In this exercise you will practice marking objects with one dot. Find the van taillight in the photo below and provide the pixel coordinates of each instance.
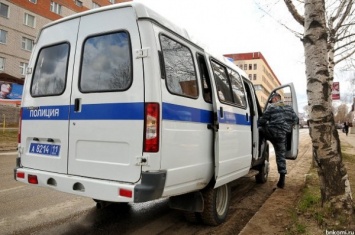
(32, 179)
(20, 175)
(19, 128)
(151, 122)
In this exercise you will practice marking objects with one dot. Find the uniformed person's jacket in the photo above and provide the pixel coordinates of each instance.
(278, 116)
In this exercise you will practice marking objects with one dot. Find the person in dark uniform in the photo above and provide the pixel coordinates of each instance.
(276, 122)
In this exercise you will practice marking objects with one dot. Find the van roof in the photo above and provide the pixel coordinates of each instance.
(142, 12)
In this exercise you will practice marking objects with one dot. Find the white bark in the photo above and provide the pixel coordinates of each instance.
(334, 183)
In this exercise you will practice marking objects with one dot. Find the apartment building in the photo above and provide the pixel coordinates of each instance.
(20, 22)
(259, 73)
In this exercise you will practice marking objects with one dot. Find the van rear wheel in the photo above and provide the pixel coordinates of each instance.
(216, 204)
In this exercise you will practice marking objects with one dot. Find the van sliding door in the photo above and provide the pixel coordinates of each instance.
(232, 125)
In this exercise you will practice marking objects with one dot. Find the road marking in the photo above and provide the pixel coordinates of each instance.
(8, 153)
(10, 189)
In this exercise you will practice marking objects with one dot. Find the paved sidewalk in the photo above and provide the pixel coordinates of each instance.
(269, 218)
(350, 139)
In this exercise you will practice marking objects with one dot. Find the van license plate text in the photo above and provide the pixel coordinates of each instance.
(45, 149)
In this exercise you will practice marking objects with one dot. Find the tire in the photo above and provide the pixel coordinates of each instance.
(192, 217)
(216, 204)
(261, 178)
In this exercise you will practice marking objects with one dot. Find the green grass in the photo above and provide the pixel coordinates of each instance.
(8, 136)
(308, 214)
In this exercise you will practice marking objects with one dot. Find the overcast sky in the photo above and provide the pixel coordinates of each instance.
(239, 26)
(230, 26)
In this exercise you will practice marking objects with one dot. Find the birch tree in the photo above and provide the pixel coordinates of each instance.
(319, 60)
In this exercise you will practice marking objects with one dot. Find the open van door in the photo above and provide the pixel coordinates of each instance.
(288, 94)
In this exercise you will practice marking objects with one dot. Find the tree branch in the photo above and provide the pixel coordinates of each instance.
(345, 14)
(292, 9)
(345, 57)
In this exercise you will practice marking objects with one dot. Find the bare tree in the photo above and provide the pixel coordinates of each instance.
(318, 37)
(341, 113)
(340, 23)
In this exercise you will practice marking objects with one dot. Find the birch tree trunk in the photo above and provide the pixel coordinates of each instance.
(334, 183)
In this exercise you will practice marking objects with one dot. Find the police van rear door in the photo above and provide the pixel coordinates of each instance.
(289, 97)
(107, 101)
(46, 95)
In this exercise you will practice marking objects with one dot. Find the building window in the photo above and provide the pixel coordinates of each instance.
(112, 1)
(95, 5)
(2, 64)
(23, 68)
(4, 10)
(56, 8)
(79, 3)
(250, 67)
(245, 67)
(258, 87)
(255, 66)
(249, 75)
(33, 1)
(254, 76)
(29, 20)
(3, 36)
(27, 44)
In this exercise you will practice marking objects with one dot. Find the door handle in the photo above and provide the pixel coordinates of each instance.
(77, 105)
(221, 112)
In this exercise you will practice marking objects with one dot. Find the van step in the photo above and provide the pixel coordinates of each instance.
(252, 173)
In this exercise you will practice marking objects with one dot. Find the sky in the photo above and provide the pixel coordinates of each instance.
(239, 26)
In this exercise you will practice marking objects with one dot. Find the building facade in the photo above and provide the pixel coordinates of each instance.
(259, 73)
(20, 22)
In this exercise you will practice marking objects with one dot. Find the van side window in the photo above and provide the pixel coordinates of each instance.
(49, 77)
(106, 64)
(179, 68)
(222, 83)
(205, 79)
(237, 88)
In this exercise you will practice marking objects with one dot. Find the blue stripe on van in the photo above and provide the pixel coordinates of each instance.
(127, 111)
(59, 112)
(234, 118)
(185, 114)
(115, 111)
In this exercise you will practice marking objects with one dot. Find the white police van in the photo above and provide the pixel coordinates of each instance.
(121, 106)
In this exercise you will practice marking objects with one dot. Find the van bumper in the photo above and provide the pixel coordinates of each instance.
(150, 187)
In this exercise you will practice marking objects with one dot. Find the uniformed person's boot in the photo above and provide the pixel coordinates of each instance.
(281, 183)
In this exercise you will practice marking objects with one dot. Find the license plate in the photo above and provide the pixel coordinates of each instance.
(45, 149)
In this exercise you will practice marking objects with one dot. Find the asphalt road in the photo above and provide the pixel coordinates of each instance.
(34, 210)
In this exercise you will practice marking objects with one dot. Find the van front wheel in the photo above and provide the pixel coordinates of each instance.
(216, 204)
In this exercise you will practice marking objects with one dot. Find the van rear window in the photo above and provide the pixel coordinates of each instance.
(49, 77)
(106, 64)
